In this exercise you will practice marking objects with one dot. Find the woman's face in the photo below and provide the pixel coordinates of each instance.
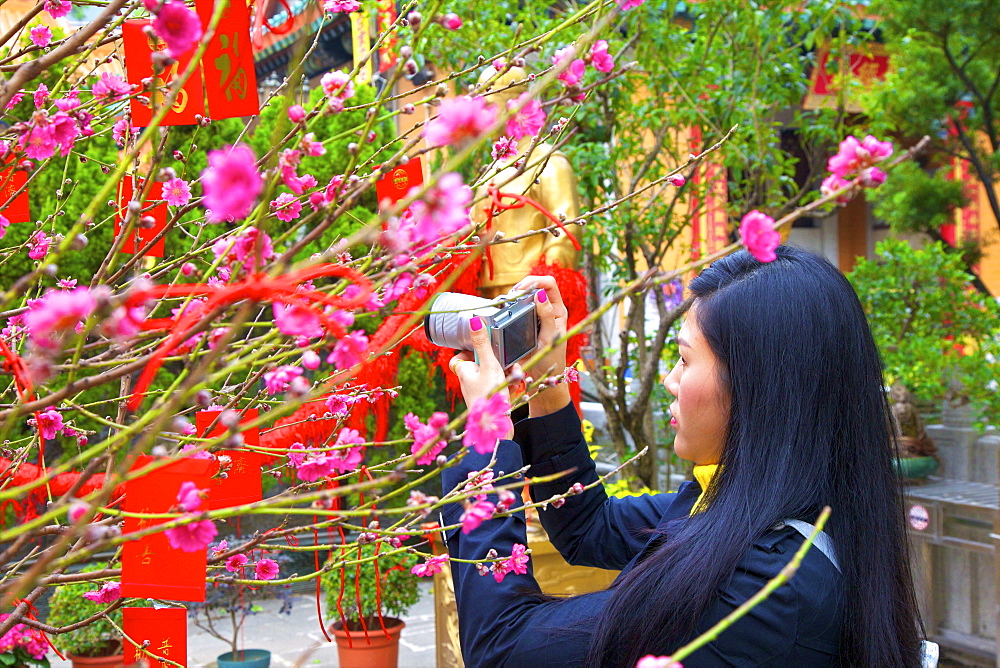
(700, 411)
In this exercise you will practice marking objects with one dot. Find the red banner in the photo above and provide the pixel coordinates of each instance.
(127, 190)
(384, 19)
(242, 483)
(393, 186)
(151, 567)
(139, 65)
(230, 78)
(866, 68)
(11, 180)
(163, 631)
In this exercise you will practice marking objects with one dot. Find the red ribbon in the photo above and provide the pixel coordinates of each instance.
(258, 288)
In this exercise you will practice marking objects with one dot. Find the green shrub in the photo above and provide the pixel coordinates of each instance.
(68, 606)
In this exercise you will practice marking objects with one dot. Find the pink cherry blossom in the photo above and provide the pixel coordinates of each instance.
(629, 4)
(278, 380)
(833, 183)
(231, 183)
(431, 566)
(110, 87)
(41, 95)
(266, 569)
(854, 156)
(4, 223)
(872, 177)
(573, 74)
(58, 311)
(758, 235)
(349, 351)
(460, 120)
(451, 21)
(600, 58)
(650, 661)
(337, 85)
(311, 360)
(877, 150)
(487, 423)
(40, 36)
(505, 148)
(677, 180)
(475, 514)
(123, 130)
(220, 548)
(77, 509)
(426, 435)
(297, 320)
(236, 563)
(124, 322)
(443, 210)
(528, 120)
(15, 99)
(108, 593)
(341, 6)
(296, 113)
(50, 423)
(176, 192)
(338, 404)
(313, 467)
(347, 459)
(481, 482)
(191, 537)
(189, 497)
(286, 207)
(571, 374)
(312, 147)
(58, 8)
(178, 26)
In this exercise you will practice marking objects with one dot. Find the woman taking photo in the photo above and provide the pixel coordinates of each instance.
(779, 403)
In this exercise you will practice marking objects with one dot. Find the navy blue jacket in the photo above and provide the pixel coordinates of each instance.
(499, 625)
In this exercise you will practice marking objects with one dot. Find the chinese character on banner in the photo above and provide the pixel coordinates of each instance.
(151, 567)
(14, 209)
(383, 21)
(128, 188)
(866, 68)
(361, 44)
(393, 186)
(230, 78)
(242, 483)
(139, 65)
(163, 631)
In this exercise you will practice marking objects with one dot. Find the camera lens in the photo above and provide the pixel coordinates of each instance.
(447, 323)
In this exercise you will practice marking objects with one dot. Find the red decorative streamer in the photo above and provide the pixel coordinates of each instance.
(257, 288)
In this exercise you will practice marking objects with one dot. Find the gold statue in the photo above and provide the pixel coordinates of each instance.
(913, 438)
(549, 180)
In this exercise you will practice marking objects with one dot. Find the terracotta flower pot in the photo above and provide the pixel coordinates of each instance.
(116, 661)
(375, 652)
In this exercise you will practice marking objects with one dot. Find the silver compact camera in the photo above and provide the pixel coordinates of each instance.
(511, 323)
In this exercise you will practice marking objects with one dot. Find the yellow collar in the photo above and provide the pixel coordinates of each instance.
(703, 474)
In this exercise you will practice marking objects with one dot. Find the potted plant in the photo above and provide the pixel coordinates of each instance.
(392, 593)
(228, 604)
(938, 338)
(96, 645)
(22, 647)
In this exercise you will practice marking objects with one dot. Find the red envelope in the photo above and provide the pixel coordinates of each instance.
(138, 66)
(164, 628)
(230, 78)
(14, 210)
(151, 568)
(141, 236)
(243, 482)
(396, 184)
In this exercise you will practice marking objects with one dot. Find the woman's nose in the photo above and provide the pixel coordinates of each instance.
(672, 381)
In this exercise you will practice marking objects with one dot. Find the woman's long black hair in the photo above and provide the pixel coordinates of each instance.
(809, 426)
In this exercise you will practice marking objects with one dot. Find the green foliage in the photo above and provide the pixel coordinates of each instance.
(932, 328)
(914, 200)
(397, 590)
(68, 606)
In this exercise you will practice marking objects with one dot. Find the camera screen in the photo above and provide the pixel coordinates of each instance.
(519, 338)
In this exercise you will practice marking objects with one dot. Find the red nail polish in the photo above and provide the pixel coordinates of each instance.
(475, 323)
(542, 297)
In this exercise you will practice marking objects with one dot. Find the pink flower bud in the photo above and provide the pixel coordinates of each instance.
(188, 268)
(310, 360)
(296, 114)
(872, 177)
(677, 180)
(451, 21)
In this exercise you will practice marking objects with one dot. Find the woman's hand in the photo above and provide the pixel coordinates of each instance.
(478, 380)
(552, 315)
